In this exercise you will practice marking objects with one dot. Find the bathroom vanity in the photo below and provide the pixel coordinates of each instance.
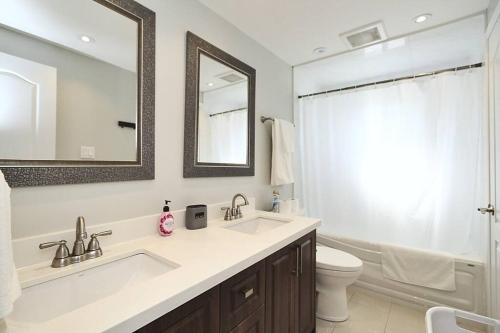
(275, 295)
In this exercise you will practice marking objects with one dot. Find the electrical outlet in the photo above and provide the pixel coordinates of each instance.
(87, 152)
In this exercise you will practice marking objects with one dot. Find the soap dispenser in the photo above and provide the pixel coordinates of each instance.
(166, 222)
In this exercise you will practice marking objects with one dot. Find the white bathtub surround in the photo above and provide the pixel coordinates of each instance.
(10, 289)
(335, 271)
(421, 268)
(283, 133)
(203, 259)
(470, 293)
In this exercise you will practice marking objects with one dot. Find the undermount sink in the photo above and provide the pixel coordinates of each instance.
(62, 295)
(258, 225)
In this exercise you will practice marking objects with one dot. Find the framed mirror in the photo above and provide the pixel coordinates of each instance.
(77, 89)
(219, 132)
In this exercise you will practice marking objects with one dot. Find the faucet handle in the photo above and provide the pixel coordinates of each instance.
(239, 213)
(102, 233)
(61, 258)
(227, 215)
(94, 249)
(50, 244)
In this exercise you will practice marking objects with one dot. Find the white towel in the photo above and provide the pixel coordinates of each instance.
(10, 289)
(283, 149)
(421, 268)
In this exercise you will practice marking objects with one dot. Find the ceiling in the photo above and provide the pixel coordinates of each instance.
(292, 29)
(453, 45)
(63, 22)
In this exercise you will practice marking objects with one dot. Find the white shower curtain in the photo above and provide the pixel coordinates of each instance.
(229, 137)
(224, 138)
(402, 163)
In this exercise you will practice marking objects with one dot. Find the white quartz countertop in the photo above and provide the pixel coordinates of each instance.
(206, 257)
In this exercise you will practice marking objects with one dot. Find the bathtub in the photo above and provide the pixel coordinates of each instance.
(470, 278)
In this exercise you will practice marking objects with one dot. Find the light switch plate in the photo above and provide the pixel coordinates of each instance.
(87, 152)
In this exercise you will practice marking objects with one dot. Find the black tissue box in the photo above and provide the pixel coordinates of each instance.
(196, 217)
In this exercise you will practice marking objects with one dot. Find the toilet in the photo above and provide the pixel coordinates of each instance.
(335, 270)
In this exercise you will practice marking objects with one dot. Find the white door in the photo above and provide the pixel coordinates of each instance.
(494, 220)
(27, 109)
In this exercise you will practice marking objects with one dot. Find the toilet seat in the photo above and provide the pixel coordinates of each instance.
(331, 259)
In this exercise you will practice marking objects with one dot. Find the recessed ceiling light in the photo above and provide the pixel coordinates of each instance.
(319, 50)
(422, 18)
(86, 39)
(210, 84)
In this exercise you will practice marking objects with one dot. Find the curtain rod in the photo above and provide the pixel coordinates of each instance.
(229, 111)
(455, 69)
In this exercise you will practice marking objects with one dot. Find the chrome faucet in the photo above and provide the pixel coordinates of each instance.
(62, 257)
(234, 212)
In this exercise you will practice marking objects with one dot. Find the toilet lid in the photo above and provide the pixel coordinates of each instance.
(336, 260)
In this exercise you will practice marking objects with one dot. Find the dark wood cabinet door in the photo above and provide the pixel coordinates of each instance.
(281, 285)
(307, 283)
(200, 315)
(255, 323)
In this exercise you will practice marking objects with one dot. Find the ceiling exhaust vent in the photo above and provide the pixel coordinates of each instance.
(230, 77)
(366, 35)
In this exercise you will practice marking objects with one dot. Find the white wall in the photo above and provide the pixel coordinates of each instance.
(491, 8)
(45, 209)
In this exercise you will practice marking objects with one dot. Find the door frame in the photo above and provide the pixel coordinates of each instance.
(490, 271)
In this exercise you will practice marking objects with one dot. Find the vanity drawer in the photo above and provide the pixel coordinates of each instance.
(242, 295)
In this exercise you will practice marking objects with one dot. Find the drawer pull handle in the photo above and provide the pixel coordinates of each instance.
(301, 259)
(247, 293)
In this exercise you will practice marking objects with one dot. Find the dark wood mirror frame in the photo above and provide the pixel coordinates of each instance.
(19, 173)
(195, 46)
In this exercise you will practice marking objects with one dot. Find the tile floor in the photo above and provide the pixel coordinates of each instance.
(374, 313)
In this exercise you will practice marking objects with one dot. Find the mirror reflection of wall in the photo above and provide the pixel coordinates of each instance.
(222, 114)
(68, 75)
